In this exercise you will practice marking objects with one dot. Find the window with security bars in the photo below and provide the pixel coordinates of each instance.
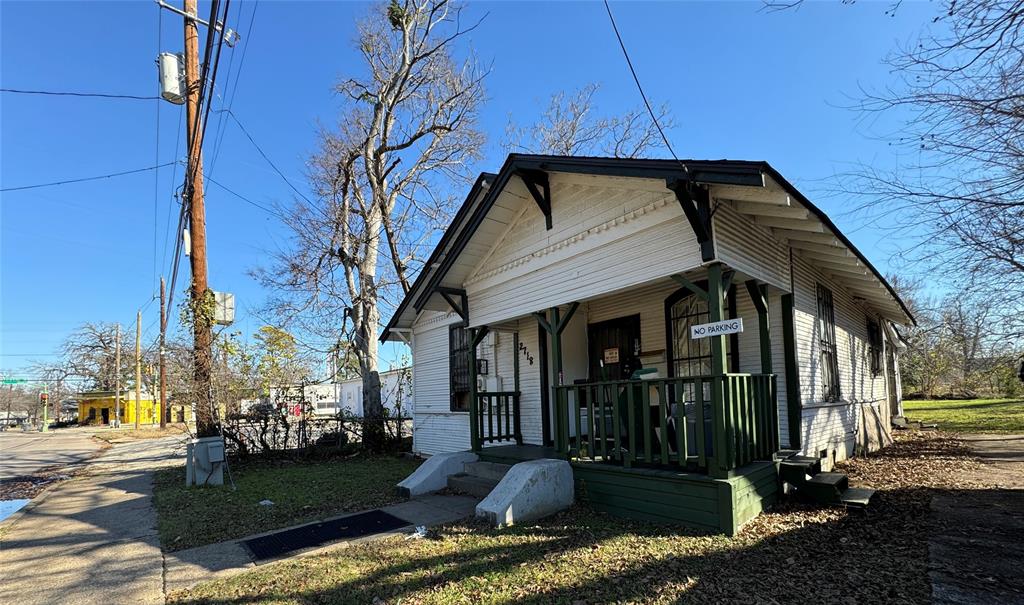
(458, 368)
(829, 361)
(692, 357)
(875, 347)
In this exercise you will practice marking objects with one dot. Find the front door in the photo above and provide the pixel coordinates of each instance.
(105, 412)
(613, 347)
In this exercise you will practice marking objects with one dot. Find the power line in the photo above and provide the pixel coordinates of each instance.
(636, 79)
(265, 157)
(247, 200)
(89, 178)
(61, 93)
(238, 76)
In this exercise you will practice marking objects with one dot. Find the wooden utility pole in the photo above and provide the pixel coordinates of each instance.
(117, 375)
(163, 369)
(138, 368)
(202, 330)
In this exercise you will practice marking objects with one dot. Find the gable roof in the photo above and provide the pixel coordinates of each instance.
(488, 187)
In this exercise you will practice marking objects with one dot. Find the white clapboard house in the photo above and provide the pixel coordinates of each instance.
(689, 336)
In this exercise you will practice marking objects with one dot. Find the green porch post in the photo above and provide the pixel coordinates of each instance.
(555, 328)
(474, 413)
(792, 372)
(719, 467)
(759, 296)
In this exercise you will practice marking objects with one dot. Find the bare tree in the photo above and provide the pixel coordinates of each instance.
(407, 130)
(572, 125)
(89, 353)
(957, 198)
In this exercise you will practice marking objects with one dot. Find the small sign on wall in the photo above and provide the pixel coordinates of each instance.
(611, 355)
(717, 328)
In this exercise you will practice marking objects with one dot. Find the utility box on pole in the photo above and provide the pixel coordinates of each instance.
(172, 77)
(224, 312)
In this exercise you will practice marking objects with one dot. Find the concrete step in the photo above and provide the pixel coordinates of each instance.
(856, 497)
(825, 488)
(486, 470)
(471, 485)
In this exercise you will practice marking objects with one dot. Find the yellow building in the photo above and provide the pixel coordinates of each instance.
(98, 407)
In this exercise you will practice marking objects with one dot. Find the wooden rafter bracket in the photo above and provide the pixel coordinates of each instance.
(559, 325)
(479, 335)
(539, 186)
(701, 293)
(457, 300)
(757, 296)
(696, 205)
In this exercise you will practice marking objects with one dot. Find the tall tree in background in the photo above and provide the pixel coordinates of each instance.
(406, 133)
(572, 125)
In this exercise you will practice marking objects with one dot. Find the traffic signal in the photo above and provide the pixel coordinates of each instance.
(42, 398)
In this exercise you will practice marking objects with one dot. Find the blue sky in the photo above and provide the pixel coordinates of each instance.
(743, 84)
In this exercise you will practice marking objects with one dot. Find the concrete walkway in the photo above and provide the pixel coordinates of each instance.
(187, 568)
(977, 552)
(91, 540)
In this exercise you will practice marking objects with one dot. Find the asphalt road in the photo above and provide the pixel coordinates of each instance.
(24, 453)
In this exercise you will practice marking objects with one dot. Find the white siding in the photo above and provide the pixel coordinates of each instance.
(435, 427)
(749, 248)
(603, 239)
(835, 427)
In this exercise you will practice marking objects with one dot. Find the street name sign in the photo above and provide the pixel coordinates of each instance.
(717, 328)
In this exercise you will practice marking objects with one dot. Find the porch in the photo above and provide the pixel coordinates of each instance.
(612, 391)
(696, 446)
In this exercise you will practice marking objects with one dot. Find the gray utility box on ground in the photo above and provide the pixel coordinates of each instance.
(204, 461)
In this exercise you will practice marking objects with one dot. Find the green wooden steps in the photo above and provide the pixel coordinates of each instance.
(825, 487)
(804, 476)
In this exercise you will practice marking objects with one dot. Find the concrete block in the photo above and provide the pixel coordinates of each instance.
(433, 474)
(530, 490)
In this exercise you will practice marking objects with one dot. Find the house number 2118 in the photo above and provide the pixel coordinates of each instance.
(526, 353)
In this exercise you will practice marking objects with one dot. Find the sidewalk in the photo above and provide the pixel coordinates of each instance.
(186, 568)
(978, 549)
(92, 539)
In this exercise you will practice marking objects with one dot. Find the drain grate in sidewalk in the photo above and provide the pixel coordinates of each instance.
(276, 545)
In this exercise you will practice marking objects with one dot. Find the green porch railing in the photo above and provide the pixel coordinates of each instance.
(498, 417)
(669, 421)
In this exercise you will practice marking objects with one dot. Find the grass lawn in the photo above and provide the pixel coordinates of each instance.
(795, 554)
(970, 416)
(300, 491)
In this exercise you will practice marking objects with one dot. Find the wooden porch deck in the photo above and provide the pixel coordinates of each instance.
(662, 495)
(512, 454)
